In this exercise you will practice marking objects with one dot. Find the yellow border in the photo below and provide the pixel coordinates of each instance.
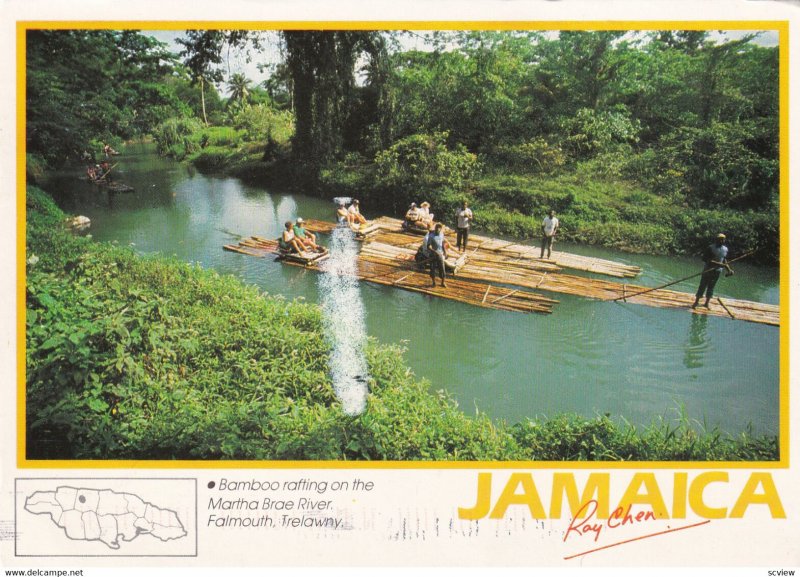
(782, 27)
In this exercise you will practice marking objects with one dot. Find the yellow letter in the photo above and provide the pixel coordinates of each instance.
(564, 484)
(481, 507)
(679, 496)
(749, 497)
(651, 497)
(528, 497)
(696, 495)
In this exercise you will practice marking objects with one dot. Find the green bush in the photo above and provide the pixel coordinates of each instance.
(262, 123)
(178, 137)
(532, 157)
(221, 136)
(423, 161)
(213, 158)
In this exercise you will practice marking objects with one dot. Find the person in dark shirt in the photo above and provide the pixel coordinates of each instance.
(714, 257)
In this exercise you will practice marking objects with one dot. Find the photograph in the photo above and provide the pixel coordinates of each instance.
(479, 245)
(463, 285)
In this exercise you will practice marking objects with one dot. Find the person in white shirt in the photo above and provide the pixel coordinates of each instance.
(425, 213)
(356, 212)
(549, 229)
(463, 218)
(413, 215)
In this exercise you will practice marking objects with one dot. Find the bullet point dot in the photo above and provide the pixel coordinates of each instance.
(211, 484)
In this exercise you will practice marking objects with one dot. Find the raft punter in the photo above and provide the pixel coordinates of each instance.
(435, 243)
(714, 257)
(549, 230)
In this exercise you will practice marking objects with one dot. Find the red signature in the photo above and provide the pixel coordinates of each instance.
(590, 525)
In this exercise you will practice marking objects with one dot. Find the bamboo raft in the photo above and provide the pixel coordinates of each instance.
(261, 247)
(407, 276)
(502, 266)
(520, 275)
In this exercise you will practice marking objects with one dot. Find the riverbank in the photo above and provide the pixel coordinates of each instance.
(150, 358)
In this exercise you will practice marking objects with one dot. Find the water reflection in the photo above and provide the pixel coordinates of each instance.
(697, 342)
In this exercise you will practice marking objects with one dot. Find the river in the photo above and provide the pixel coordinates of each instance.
(588, 357)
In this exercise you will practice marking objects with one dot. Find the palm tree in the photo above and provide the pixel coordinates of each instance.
(239, 89)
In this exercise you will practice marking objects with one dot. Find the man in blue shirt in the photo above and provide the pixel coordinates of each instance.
(435, 245)
(714, 257)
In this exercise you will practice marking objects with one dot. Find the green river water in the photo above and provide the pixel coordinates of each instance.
(588, 357)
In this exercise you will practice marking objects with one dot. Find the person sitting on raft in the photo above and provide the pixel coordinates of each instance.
(306, 238)
(343, 215)
(356, 213)
(425, 214)
(414, 217)
(288, 242)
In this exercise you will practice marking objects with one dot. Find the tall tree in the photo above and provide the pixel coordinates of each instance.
(202, 55)
(93, 84)
(239, 89)
(323, 68)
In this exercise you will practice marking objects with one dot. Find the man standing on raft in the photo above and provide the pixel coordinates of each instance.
(714, 257)
(549, 229)
(437, 252)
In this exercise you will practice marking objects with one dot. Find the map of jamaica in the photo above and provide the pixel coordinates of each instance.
(104, 515)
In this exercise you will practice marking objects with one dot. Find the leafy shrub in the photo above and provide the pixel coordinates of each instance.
(423, 161)
(212, 158)
(262, 122)
(591, 131)
(534, 156)
(221, 136)
(35, 167)
(177, 137)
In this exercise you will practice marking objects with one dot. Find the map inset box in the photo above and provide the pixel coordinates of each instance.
(106, 517)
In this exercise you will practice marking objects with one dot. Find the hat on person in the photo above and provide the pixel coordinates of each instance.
(426, 203)
(413, 204)
(299, 220)
(721, 236)
(355, 201)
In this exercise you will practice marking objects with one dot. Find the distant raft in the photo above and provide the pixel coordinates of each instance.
(119, 187)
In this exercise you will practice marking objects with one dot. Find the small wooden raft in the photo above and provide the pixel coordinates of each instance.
(119, 187)
(111, 186)
(261, 247)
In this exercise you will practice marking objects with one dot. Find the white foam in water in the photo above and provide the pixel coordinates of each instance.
(343, 318)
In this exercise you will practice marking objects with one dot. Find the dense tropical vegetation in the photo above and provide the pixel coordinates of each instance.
(645, 141)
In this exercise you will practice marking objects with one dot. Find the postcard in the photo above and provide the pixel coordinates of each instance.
(475, 284)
